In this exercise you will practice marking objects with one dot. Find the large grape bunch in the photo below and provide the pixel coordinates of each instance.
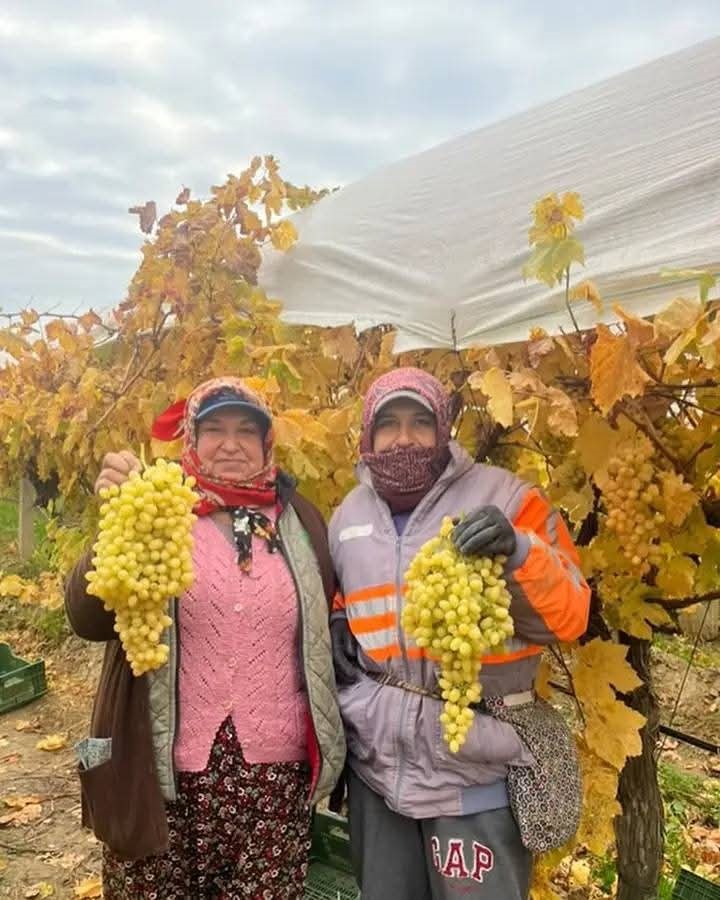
(458, 608)
(143, 557)
(632, 497)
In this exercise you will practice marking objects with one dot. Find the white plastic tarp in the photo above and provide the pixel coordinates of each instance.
(445, 232)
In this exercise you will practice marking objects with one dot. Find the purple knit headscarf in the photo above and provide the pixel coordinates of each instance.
(402, 476)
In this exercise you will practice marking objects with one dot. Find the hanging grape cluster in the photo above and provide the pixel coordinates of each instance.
(631, 498)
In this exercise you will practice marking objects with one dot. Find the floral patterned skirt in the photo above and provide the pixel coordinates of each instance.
(237, 830)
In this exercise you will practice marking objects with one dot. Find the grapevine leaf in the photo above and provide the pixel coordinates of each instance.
(497, 389)
(614, 369)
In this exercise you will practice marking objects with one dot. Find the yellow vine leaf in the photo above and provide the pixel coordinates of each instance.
(283, 235)
(712, 335)
(88, 889)
(640, 331)
(676, 578)
(606, 661)
(628, 610)
(706, 280)
(312, 430)
(679, 498)
(22, 815)
(339, 421)
(341, 343)
(570, 490)
(600, 804)
(545, 868)
(580, 872)
(288, 432)
(52, 742)
(614, 370)
(558, 406)
(497, 389)
(553, 216)
(385, 357)
(613, 732)
(708, 574)
(41, 889)
(679, 316)
(588, 291)
(15, 802)
(612, 729)
(596, 443)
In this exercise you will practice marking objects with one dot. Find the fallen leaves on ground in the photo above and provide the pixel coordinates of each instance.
(52, 742)
(41, 889)
(27, 725)
(23, 812)
(89, 888)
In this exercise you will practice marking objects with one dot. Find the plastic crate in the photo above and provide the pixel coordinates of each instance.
(326, 883)
(20, 681)
(331, 842)
(330, 875)
(690, 886)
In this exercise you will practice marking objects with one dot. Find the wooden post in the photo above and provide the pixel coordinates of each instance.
(26, 530)
(691, 621)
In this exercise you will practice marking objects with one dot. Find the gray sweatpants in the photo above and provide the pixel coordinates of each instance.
(397, 858)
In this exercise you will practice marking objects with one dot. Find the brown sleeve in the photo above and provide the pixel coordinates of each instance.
(314, 524)
(87, 616)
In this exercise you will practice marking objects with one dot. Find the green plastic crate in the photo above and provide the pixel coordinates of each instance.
(326, 883)
(331, 842)
(20, 681)
(690, 886)
(330, 875)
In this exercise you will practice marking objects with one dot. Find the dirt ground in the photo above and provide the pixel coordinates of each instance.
(44, 852)
(50, 849)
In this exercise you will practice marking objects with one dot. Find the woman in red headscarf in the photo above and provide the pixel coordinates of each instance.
(424, 822)
(199, 777)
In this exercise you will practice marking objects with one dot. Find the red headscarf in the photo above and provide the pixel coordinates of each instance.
(402, 476)
(179, 420)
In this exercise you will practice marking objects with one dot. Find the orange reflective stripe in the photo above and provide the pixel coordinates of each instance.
(497, 658)
(380, 654)
(370, 593)
(338, 603)
(367, 624)
(416, 653)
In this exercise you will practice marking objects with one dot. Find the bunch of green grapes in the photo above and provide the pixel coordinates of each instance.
(143, 557)
(681, 441)
(458, 608)
(630, 497)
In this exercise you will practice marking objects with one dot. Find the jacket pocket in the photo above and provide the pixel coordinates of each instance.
(489, 742)
(99, 788)
(121, 811)
(361, 740)
(93, 752)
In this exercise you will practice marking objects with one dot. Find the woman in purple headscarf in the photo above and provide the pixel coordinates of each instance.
(424, 822)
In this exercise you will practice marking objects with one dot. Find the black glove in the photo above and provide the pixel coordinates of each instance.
(485, 532)
(344, 649)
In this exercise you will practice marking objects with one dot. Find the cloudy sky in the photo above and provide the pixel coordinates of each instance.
(115, 102)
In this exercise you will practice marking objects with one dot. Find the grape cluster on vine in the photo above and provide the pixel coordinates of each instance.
(457, 608)
(631, 498)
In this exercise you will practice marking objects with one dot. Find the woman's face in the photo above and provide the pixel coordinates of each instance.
(404, 423)
(230, 445)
